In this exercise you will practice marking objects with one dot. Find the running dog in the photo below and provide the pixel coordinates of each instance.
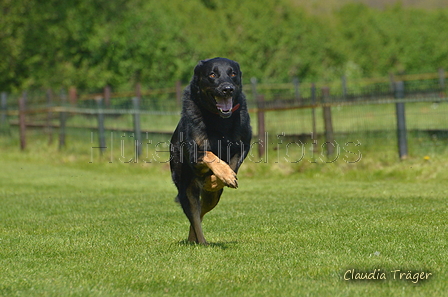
(211, 140)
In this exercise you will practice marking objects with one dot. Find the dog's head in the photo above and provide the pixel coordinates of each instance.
(218, 84)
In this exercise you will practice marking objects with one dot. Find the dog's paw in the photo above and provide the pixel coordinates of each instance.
(226, 175)
(233, 182)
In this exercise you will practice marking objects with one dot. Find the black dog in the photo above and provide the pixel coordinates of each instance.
(211, 140)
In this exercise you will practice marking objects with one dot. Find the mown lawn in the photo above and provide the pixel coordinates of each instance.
(70, 228)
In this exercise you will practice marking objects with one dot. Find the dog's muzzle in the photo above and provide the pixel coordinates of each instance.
(224, 100)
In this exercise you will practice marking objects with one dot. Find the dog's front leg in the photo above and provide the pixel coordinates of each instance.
(220, 169)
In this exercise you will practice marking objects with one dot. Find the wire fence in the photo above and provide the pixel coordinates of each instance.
(362, 110)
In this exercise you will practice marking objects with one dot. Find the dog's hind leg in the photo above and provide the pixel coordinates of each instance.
(192, 208)
(209, 201)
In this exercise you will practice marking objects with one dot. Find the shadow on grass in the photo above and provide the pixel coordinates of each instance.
(221, 245)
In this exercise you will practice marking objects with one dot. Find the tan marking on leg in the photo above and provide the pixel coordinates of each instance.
(213, 184)
(221, 169)
(208, 201)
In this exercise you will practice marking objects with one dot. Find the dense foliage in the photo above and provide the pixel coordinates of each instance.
(90, 44)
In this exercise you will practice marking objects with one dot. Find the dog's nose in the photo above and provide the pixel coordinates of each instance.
(228, 90)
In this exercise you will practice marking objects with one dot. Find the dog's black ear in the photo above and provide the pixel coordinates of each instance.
(194, 85)
(197, 69)
(240, 74)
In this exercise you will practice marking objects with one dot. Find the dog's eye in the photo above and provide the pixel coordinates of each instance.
(233, 74)
(212, 75)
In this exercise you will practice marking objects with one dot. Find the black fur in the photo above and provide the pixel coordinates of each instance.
(214, 130)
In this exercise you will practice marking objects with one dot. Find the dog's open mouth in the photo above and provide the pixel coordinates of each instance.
(224, 106)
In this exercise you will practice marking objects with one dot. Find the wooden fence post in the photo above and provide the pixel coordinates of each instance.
(101, 136)
(22, 124)
(442, 79)
(137, 130)
(313, 112)
(107, 94)
(401, 121)
(62, 119)
(253, 83)
(261, 126)
(179, 93)
(4, 111)
(296, 84)
(328, 124)
(344, 87)
(49, 128)
(72, 94)
(392, 81)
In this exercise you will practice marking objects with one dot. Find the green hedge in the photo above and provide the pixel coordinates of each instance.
(91, 44)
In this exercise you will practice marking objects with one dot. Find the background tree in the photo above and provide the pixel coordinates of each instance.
(118, 43)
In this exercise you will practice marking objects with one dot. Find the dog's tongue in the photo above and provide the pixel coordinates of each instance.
(224, 104)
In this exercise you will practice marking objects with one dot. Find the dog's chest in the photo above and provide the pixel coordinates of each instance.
(224, 144)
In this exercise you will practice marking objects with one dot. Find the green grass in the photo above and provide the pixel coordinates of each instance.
(73, 228)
